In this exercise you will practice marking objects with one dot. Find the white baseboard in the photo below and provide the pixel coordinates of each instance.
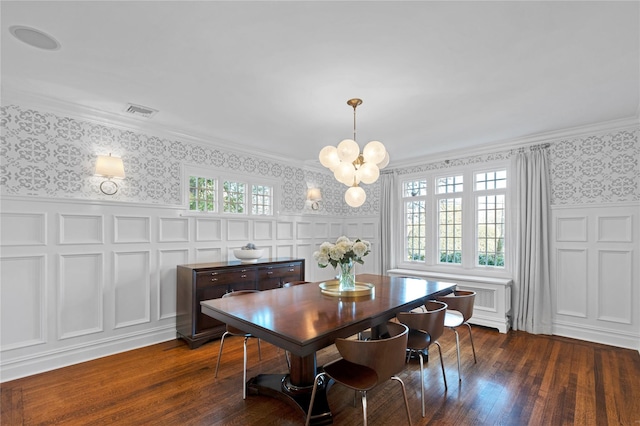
(596, 335)
(15, 368)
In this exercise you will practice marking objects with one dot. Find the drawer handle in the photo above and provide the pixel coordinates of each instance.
(291, 270)
(214, 273)
(214, 279)
(269, 272)
(243, 276)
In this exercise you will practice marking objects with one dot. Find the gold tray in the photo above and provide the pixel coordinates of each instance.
(332, 288)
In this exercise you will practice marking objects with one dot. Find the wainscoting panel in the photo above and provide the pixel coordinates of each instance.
(238, 230)
(571, 229)
(174, 229)
(23, 302)
(80, 294)
(111, 286)
(284, 231)
(208, 229)
(595, 275)
(572, 289)
(23, 229)
(81, 229)
(615, 293)
(262, 230)
(167, 261)
(206, 255)
(131, 229)
(132, 287)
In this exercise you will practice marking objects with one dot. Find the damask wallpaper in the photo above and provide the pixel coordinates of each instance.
(44, 154)
(601, 168)
(48, 155)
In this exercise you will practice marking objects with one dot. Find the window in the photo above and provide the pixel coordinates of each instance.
(233, 198)
(202, 194)
(414, 195)
(456, 224)
(211, 194)
(261, 199)
(491, 187)
(449, 219)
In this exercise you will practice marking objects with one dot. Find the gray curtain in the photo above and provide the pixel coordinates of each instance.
(532, 289)
(388, 214)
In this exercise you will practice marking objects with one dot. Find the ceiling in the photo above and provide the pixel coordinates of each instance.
(274, 77)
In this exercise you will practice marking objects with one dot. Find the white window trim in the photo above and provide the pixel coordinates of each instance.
(469, 207)
(221, 176)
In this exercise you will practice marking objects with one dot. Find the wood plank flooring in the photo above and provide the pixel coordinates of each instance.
(520, 379)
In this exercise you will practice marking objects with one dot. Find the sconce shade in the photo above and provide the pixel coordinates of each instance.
(109, 166)
(313, 194)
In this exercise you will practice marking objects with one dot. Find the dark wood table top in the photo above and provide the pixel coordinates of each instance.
(302, 320)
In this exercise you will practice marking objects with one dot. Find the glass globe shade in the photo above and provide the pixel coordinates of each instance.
(374, 152)
(329, 157)
(355, 196)
(368, 173)
(348, 150)
(345, 173)
(384, 163)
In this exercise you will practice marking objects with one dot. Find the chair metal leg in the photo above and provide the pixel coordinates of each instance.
(475, 361)
(220, 352)
(444, 376)
(259, 351)
(364, 407)
(404, 394)
(244, 372)
(313, 397)
(458, 352)
(422, 381)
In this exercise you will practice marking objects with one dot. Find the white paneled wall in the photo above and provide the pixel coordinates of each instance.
(595, 273)
(84, 279)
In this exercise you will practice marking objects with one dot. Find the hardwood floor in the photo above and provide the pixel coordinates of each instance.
(519, 379)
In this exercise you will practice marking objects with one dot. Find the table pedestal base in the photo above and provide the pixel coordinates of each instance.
(278, 386)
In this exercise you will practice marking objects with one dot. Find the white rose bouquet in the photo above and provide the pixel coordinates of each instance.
(342, 252)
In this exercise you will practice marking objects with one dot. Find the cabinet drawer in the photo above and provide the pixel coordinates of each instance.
(292, 269)
(236, 276)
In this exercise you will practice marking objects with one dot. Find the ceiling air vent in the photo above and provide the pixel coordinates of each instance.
(140, 111)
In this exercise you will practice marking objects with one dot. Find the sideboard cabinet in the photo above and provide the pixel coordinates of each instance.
(204, 281)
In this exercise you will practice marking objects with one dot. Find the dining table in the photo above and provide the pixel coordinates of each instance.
(303, 319)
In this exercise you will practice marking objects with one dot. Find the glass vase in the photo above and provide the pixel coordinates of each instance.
(347, 276)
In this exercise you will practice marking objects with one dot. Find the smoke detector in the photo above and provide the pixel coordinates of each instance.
(140, 111)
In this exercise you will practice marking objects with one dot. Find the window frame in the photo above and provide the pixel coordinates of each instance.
(469, 200)
(222, 176)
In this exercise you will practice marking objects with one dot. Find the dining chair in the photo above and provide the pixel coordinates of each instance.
(367, 363)
(425, 328)
(459, 310)
(233, 331)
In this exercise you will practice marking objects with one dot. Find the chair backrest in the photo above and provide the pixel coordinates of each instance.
(431, 321)
(231, 329)
(461, 301)
(385, 356)
(292, 283)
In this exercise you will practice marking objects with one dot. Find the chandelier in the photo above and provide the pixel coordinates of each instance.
(352, 167)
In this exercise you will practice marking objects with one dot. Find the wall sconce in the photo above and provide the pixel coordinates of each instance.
(110, 167)
(313, 198)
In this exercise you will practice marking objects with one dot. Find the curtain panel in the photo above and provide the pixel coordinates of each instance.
(532, 289)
